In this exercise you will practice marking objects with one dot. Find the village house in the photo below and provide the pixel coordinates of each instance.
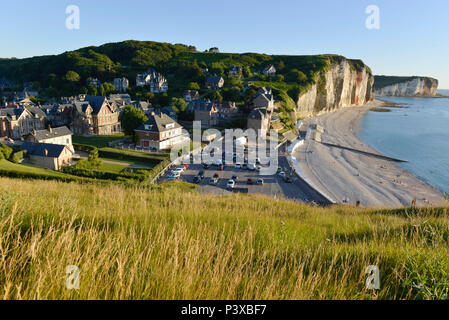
(235, 71)
(170, 112)
(259, 119)
(121, 99)
(215, 82)
(269, 70)
(121, 84)
(50, 156)
(95, 116)
(227, 111)
(93, 81)
(191, 95)
(153, 79)
(58, 114)
(207, 113)
(264, 99)
(145, 106)
(61, 135)
(160, 132)
(18, 122)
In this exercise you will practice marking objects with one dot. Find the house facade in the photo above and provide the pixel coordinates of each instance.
(259, 119)
(269, 70)
(207, 113)
(235, 71)
(121, 84)
(61, 136)
(50, 156)
(18, 122)
(215, 82)
(153, 79)
(160, 132)
(191, 95)
(264, 100)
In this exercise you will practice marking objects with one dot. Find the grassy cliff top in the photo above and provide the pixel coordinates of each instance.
(131, 57)
(385, 81)
(174, 243)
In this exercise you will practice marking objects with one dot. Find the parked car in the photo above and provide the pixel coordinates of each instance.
(221, 168)
(230, 184)
(258, 161)
(175, 174)
(251, 167)
(258, 168)
(260, 181)
(234, 177)
(244, 166)
(172, 177)
(238, 165)
(218, 162)
(201, 174)
(216, 175)
(249, 181)
(206, 166)
(282, 174)
(288, 179)
(186, 166)
(196, 179)
(213, 181)
(279, 170)
(180, 169)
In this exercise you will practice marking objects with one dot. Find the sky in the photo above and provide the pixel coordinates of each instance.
(412, 38)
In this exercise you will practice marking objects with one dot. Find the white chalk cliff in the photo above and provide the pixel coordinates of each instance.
(405, 86)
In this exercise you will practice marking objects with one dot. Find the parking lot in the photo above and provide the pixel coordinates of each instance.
(273, 185)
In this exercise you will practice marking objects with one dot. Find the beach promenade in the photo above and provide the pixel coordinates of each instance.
(348, 176)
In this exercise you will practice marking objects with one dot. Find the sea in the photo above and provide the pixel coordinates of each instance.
(418, 133)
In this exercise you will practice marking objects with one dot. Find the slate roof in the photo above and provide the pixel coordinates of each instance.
(38, 149)
(10, 112)
(96, 102)
(157, 123)
(214, 79)
(259, 113)
(55, 132)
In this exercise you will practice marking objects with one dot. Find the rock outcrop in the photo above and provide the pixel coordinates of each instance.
(343, 84)
(405, 86)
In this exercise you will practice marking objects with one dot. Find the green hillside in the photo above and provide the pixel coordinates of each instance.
(172, 242)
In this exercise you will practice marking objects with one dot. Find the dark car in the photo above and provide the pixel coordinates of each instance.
(216, 175)
(288, 179)
(206, 166)
(245, 166)
(249, 181)
(201, 174)
(196, 179)
(221, 168)
(234, 177)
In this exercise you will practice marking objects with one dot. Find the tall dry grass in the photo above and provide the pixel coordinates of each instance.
(174, 243)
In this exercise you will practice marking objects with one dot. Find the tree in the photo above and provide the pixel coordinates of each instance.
(179, 105)
(72, 76)
(131, 119)
(194, 86)
(296, 76)
(92, 90)
(108, 88)
(216, 96)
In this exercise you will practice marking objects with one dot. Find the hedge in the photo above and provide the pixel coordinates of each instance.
(17, 157)
(104, 175)
(85, 148)
(40, 176)
(134, 156)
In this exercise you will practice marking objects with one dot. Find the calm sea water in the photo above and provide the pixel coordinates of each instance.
(418, 134)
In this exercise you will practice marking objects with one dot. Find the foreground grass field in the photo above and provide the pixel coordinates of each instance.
(174, 243)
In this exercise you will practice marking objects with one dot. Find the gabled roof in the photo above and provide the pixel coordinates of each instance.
(259, 113)
(55, 132)
(43, 149)
(36, 112)
(97, 102)
(9, 113)
(214, 79)
(202, 105)
(158, 123)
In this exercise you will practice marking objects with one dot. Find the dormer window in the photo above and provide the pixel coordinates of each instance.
(170, 125)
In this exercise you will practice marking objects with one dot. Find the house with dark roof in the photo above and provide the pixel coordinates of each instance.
(264, 100)
(18, 122)
(160, 132)
(95, 116)
(215, 82)
(191, 95)
(269, 70)
(168, 110)
(156, 81)
(206, 112)
(259, 119)
(45, 155)
(61, 136)
(235, 71)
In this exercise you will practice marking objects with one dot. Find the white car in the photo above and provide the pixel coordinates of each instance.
(238, 165)
(178, 170)
(251, 167)
(175, 174)
(258, 168)
(282, 174)
(230, 184)
(218, 162)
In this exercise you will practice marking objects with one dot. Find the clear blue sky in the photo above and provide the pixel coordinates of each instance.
(412, 39)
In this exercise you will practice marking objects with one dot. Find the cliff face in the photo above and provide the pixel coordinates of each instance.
(405, 86)
(341, 85)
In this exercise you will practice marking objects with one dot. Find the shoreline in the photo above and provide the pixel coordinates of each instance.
(348, 176)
